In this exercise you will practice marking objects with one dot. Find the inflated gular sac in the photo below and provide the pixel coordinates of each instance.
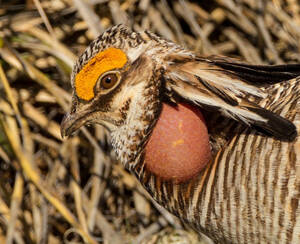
(178, 148)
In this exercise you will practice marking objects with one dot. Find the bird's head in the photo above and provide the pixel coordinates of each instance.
(107, 78)
(117, 83)
(123, 77)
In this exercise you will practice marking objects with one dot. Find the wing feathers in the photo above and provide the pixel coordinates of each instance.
(219, 87)
(222, 94)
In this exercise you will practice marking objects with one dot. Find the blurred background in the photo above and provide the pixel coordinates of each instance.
(74, 191)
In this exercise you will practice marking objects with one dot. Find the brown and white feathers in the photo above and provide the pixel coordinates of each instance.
(121, 81)
(212, 83)
(232, 89)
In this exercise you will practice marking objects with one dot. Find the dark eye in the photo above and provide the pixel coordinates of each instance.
(108, 81)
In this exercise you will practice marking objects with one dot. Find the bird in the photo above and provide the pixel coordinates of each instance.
(248, 190)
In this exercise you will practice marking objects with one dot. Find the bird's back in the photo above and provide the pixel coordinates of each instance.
(251, 192)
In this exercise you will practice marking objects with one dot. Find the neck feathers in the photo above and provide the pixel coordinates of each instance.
(129, 140)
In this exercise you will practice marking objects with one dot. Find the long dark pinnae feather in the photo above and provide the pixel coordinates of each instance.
(261, 74)
(229, 87)
(276, 125)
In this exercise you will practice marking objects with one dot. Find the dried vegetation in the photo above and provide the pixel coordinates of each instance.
(74, 191)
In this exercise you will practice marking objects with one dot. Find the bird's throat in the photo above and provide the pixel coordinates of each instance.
(178, 148)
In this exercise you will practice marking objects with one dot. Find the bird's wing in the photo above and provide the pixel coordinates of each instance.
(231, 88)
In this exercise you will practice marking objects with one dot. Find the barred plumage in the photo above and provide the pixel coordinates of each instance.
(249, 193)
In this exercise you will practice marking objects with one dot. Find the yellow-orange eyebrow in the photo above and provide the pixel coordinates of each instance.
(85, 80)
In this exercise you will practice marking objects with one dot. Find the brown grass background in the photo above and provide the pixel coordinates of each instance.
(74, 191)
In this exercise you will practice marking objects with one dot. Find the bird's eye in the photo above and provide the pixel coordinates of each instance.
(109, 80)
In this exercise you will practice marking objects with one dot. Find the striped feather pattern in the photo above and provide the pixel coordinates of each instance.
(227, 91)
(251, 192)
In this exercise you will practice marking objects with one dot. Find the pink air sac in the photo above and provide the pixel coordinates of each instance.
(178, 148)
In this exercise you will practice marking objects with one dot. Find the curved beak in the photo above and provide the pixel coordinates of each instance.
(72, 122)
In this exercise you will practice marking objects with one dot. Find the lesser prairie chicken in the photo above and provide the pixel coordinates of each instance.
(245, 187)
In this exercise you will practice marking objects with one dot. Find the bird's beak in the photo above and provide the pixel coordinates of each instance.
(72, 122)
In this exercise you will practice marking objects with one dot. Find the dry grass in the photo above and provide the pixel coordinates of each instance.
(54, 191)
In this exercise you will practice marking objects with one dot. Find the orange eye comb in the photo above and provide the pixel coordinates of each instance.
(109, 59)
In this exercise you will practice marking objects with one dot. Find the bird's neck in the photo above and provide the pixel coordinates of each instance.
(130, 139)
